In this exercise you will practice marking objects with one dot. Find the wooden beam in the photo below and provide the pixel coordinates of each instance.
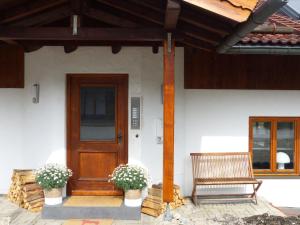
(44, 17)
(115, 49)
(169, 101)
(173, 9)
(84, 34)
(28, 9)
(108, 18)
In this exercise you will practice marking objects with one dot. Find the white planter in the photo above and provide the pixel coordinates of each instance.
(53, 197)
(133, 198)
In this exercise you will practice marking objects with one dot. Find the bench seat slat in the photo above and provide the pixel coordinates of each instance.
(220, 181)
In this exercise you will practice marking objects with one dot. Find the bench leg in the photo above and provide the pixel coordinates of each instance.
(194, 196)
(253, 196)
(255, 190)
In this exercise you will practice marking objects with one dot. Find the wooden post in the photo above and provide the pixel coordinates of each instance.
(169, 97)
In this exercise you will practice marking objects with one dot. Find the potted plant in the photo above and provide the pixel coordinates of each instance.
(52, 178)
(132, 179)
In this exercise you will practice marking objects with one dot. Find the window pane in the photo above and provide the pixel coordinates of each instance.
(97, 111)
(261, 145)
(285, 145)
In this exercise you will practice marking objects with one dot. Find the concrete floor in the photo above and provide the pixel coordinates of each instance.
(290, 211)
(204, 214)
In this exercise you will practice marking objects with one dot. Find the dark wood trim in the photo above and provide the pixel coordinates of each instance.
(169, 101)
(68, 118)
(11, 66)
(84, 34)
(273, 166)
(243, 72)
(173, 9)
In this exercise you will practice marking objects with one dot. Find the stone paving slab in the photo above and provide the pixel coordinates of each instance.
(203, 214)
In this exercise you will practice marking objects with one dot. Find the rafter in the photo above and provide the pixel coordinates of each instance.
(173, 9)
(25, 10)
(190, 41)
(189, 15)
(203, 21)
(44, 18)
(108, 18)
(135, 10)
(84, 34)
(199, 33)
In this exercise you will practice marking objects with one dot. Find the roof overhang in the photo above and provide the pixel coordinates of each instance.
(202, 24)
(237, 10)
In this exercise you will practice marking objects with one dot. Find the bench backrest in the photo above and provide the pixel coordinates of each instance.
(222, 165)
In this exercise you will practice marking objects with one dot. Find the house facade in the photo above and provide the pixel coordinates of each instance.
(208, 118)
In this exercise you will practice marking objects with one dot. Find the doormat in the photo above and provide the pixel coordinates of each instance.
(88, 222)
(94, 201)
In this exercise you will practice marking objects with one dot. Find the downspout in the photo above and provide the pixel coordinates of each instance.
(268, 49)
(257, 18)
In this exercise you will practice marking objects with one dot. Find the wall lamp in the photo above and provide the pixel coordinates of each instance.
(36, 99)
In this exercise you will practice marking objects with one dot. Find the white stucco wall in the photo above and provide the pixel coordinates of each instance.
(205, 120)
(217, 121)
(33, 134)
(11, 134)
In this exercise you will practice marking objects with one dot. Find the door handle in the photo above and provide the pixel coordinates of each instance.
(120, 137)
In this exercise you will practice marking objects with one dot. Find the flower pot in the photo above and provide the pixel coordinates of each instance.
(53, 197)
(133, 198)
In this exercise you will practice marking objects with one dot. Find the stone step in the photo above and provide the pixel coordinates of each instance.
(61, 212)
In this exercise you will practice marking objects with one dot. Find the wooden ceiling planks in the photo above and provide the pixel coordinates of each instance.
(237, 10)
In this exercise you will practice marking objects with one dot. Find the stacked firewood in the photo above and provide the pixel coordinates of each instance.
(25, 192)
(153, 205)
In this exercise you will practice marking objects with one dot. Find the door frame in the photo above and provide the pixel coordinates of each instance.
(69, 77)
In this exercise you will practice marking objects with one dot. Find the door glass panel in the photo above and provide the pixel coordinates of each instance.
(261, 145)
(285, 145)
(97, 113)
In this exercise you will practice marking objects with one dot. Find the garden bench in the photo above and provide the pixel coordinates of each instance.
(223, 169)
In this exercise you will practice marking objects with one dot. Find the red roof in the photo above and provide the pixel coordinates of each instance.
(274, 38)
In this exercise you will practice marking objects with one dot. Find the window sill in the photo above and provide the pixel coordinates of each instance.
(278, 176)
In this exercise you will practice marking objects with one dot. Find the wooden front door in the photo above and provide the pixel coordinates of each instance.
(97, 116)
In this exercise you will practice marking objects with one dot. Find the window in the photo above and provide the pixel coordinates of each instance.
(274, 145)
